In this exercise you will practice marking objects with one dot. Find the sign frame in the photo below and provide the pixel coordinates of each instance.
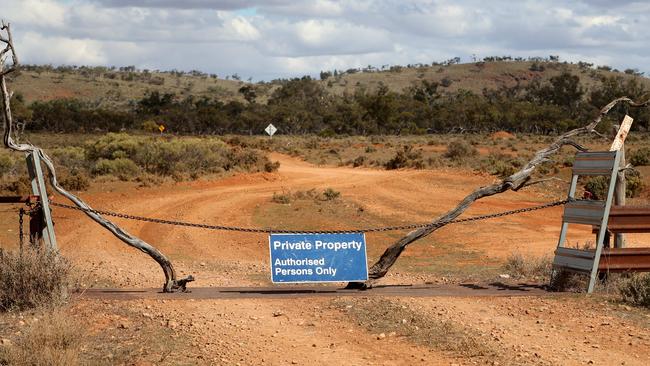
(364, 260)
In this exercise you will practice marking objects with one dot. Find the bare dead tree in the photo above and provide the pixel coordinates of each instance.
(515, 182)
(171, 283)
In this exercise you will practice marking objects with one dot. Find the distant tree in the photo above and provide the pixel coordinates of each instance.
(249, 93)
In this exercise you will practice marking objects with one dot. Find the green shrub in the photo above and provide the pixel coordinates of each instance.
(271, 167)
(18, 185)
(636, 289)
(370, 149)
(72, 157)
(113, 145)
(568, 161)
(598, 186)
(359, 161)
(500, 165)
(122, 168)
(75, 181)
(459, 150)
(6, 163)
(405, 158)
(634, 183)
(640, 157)
(283, 198)
(32, 278)
(329, 194)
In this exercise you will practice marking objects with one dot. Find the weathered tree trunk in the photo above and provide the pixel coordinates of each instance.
(171, 283)
(514, 182)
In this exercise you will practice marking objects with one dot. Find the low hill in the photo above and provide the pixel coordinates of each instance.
(110, 87)
(475, 77)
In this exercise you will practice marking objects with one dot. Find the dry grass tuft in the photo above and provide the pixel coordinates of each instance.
(636, 289)
(33, 278)
(55, 339)
(519, 266)
(390, 317)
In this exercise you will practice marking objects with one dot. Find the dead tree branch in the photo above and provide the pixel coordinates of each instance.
(171, 283)
(514, 182)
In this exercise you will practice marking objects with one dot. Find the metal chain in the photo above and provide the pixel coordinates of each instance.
(270, 230)
(21, 239)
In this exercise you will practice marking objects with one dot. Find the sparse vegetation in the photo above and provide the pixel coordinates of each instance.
(360, 102)
(640, 157)
(598, 186)
(460, 150)
(567, 281)
(55, 339)
(32, 278)
(328, 194)
(636, 289)
(137, 158)
(520, 266)
(390, 317)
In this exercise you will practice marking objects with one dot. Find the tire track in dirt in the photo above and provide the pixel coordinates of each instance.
(411, 196)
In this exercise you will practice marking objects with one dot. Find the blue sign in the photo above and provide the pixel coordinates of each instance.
(318, 257)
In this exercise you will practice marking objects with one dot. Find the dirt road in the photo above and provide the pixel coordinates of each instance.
(384, 330)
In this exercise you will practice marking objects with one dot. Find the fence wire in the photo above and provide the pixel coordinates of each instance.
(434, 224)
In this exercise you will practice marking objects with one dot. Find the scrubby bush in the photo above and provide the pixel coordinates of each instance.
(330, 194)
(634, 183)
(598, 186)
(640, 157)
(271, 167)
(75, 181)
(287, 197)
(6, 163)
(459, 150)
(405, 158)
(359, 161)
(71, 157)
(283, 198)
(122, 168)
(519, 266)
(32, 278)
(567, 281)
(636, 289)
(500, 165)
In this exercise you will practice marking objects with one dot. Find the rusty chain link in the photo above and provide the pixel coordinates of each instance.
(270, 230)
(21, 236)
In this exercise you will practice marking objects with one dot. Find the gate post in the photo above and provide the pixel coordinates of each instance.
(39, 189)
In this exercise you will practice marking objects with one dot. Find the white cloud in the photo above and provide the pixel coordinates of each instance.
(281, 38)
(36, 48)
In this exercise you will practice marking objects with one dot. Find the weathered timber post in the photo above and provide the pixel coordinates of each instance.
(619, 197)
(619, 189)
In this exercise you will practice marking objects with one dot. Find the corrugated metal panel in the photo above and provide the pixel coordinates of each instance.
(575, 263)
(584, 212)
(572, 252)
(594, 163)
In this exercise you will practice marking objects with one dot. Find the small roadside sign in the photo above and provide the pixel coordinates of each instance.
(297, 258)
(270, 129)
(161, 128)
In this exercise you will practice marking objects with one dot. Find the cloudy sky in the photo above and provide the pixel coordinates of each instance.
(283, 38)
